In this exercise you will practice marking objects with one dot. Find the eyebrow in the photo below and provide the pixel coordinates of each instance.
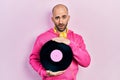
(64, 15)
(57, 17)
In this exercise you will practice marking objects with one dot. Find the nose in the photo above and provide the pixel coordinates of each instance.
(60, 20)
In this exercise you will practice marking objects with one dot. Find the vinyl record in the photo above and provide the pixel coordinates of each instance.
(55, 56)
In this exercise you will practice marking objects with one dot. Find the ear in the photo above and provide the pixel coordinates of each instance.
(52, 19)
(68, 17)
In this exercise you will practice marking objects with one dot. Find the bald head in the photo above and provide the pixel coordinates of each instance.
(60, 17)
(59, 6)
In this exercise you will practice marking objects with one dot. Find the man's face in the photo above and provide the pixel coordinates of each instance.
(60, 18)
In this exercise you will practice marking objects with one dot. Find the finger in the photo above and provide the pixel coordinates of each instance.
(55, 39)
(49, 73)
(59, 72)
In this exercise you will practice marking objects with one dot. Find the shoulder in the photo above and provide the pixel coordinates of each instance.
(74, 34)
(45, 36)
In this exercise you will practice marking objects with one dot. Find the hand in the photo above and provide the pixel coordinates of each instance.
(61, 40)
(50, 73)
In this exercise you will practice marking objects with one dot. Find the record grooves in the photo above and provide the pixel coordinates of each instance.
(60, 64)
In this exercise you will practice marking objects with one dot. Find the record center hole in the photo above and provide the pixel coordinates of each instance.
(56, 55)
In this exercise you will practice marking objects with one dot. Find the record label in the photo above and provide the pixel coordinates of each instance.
(56, 55)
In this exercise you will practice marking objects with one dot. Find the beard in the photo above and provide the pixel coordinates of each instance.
(61, 27)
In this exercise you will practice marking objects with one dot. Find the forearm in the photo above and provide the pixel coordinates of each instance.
(34, 58)
(80, 54)
(37, 66)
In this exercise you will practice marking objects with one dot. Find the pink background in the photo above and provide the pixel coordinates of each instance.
(98, 21)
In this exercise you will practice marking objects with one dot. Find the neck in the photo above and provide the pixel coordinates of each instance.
(61, 34)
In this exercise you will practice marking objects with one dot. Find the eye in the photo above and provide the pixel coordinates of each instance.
(57, 17)
(64, 16)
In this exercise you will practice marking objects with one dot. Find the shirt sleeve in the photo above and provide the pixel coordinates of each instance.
(80, 53)
(34, 58)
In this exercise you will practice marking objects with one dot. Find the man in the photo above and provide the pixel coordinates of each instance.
(60, 33)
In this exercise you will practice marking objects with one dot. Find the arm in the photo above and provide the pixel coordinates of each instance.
(35, 59)
(79, 51)
(77, 45)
